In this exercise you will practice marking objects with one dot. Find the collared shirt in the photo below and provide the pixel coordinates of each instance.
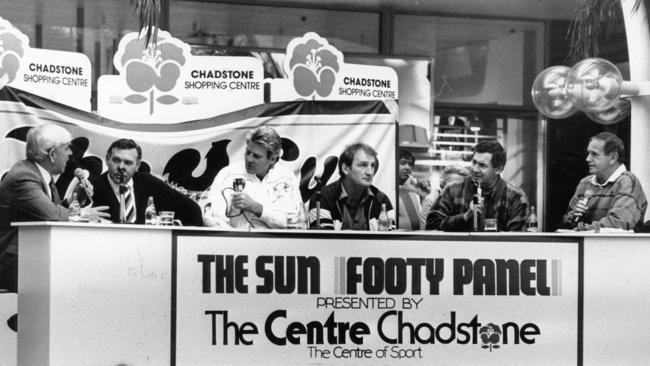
(507, 203)
(326, 210)
(278, 193)
(47, 177)
(617, 173)
(116, 190)
(354, 218)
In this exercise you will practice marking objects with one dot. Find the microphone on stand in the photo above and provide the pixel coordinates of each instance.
(585, 198)
(477, 199)
(318, 186)
(82, 176)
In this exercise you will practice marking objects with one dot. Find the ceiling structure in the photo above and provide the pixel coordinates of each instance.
(535, 9)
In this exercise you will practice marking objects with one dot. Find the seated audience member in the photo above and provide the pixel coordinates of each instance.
(409, 198)
(268, 195)
(454, 210)
(123, 159)
(450, 174)
(611, 196)
(28, 193)
(352, 202)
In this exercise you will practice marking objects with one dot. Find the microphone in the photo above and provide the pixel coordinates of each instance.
(584, 200)
(82, 175)
(477, 199)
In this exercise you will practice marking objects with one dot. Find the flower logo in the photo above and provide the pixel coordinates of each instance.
(12, 49)
(149, 69)
(490, 336)
(313, 65)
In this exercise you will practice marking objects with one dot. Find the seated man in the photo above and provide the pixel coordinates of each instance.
(259, 192)
(28, 193)
(352, 202)
(502, 201)
(610, 196)
(409, 199)
(123, 159)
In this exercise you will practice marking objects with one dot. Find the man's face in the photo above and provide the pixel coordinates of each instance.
(122, 164)
(362, 169)
(257, 160)
(482, 169)
(597, 161)
(59, 156)
(405, 169)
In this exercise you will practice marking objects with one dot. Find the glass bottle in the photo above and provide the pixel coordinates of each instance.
(74, 209)
(531, 224)
(150, 216)
(384, 223)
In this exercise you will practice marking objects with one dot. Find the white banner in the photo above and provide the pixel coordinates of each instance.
(191, 154)
(291, 300)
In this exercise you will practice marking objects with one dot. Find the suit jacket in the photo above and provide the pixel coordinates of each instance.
(165, 198)
(23, 197)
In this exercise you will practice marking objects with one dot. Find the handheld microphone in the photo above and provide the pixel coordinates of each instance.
(82, 176)
(238, 184)
(584, 200)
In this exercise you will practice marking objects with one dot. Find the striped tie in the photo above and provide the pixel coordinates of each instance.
(129, 206)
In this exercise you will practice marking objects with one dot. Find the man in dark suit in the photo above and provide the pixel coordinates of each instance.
(28, 193)
(123, 179)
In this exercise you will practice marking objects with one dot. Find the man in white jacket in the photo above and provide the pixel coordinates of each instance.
(258, 192)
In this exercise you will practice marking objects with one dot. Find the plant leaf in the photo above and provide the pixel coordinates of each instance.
(167, 99)
(149, 17)
(135, 99)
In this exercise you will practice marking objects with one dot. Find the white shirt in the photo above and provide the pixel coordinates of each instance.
(278, 193)
(617, 173)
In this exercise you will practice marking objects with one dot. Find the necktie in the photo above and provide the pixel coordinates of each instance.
(54, 192)
(129, 206)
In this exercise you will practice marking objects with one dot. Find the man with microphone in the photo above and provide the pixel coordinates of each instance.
(258, 192)
(611, 196)
(464, 205)
(126, 191)
(28, 193)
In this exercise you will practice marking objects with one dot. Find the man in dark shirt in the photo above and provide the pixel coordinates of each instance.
(484, 193)
(352, 202)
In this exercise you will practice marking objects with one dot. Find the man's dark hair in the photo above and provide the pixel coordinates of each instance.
(493, 147)
(407, 156)
(612, 143)
(347, 156)
(124, 144)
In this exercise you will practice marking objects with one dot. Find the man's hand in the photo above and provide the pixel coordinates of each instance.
(95, 213)
(579, 210)
(470, 212)
(244, 202)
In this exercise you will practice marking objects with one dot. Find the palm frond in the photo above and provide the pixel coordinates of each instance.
(594, 21)
(148, 12)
